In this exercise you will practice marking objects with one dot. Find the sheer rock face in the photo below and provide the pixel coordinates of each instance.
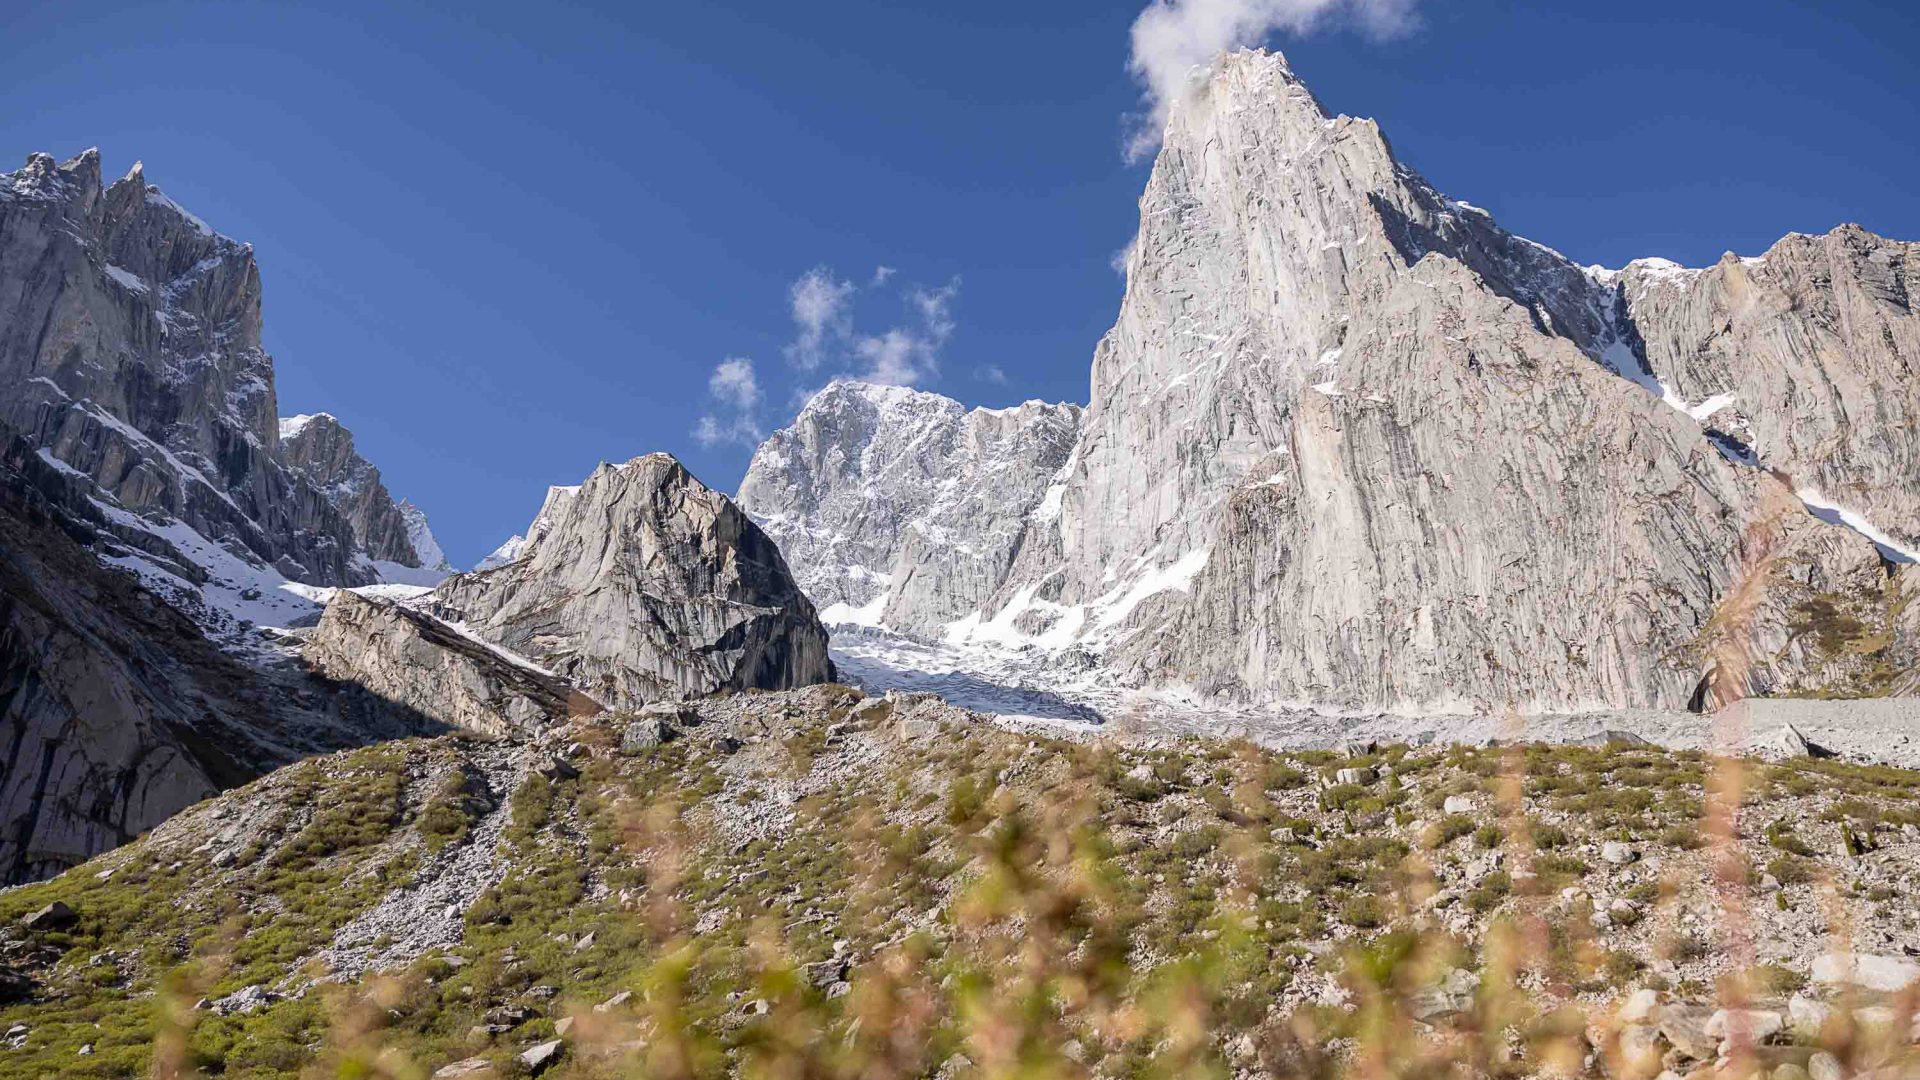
(1816, 344)
(904, 507)
(115, 710)
(523, 543)
(321, 449)
(1351, 445)
(420, 664)
(647, 585)
(130, 350)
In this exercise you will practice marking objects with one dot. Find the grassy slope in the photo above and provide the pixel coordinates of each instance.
(1061, 907)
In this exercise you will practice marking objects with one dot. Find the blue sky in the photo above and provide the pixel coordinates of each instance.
(505, 241)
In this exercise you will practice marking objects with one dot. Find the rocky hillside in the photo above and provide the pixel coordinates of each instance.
(644, 584)
(115, 709)
(818, 883)
(1352, 445)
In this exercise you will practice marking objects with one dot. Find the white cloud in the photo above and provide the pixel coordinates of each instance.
(822, 311)
(898, 357)
(824, 333)
(992, 373)
(735, 391)
(936, 307)
(734, 383)
(1174, 38)
(1121, 258)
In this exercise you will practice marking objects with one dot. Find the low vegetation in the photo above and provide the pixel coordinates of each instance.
(833, 898)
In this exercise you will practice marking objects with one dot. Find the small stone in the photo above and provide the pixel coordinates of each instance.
(558, 769)
(825, 973)
(562, 1026)
(1824, 1066)
(1807, 1016)
(473, 1066)
(614, 1002)
(1457, 804)
(1640, 1005)
(540, 1057)
(1685, 1026)
(584, 943)
(55, 916)
(1361, 775)
(643, 735)
(1886, 974)
(1758, 1024)
(85, 1050)
(1617, 853)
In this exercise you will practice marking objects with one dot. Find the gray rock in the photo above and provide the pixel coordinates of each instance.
(541, 1057)
(1352, 444)
(1885, 974)
(144, 372)
(1617, 853)
(321, 449)
(55, 916)
(643, 735)
(869, 487)
(648, 585)
(469, 1067)
(1354, 776)
(417, 662)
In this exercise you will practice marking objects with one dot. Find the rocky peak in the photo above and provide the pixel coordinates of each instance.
(520, 545)
(645, 585)
(321, 449)
(130, 352)
(903, 506)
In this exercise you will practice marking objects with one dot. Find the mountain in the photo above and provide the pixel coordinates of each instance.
(521, 543)
(1352, 446)
(322, 450)
(130, 353)
(902, 507)
(644, 584)
(116, 710)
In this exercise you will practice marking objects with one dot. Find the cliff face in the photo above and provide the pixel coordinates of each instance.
(903, 507)
(130, 350)
(644, 585)
(115, 710)
(1352, 445)
(412, 659)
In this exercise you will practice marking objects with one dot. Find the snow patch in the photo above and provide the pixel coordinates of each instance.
(1834, 514)
(127, 279)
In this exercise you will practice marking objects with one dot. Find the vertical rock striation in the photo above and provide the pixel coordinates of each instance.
(903, 507)
(1351, 445)
(645, 585)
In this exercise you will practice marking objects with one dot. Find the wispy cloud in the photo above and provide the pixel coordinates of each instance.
(907, 354)
(734, 383)
(992, 373)
(733, 391)
(1172, 39)
(822, 311)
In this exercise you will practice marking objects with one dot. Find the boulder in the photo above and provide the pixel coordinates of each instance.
(55, 916)
(1885, 974)
(541, 1057)
(414, 661)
